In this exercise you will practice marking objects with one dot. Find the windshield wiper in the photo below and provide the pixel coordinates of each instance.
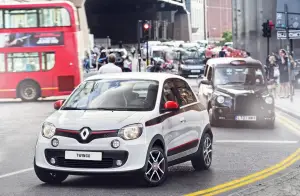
(71, 108)
(110, 109)
(234, 83)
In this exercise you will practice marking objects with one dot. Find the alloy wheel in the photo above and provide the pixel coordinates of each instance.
(207, 151)
(156, 166)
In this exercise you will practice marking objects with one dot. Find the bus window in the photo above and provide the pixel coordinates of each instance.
(21, 18)
(54, 17)
(23, 62)
(1, 19)
(48, 60)
(2, 63)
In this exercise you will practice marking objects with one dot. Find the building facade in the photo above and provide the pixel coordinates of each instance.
(196, 10)
(218, 18)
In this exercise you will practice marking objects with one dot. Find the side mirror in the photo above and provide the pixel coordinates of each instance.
(206, 82)
(58, 104)
(171, 106)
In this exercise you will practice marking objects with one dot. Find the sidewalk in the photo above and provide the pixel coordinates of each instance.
(291, 108)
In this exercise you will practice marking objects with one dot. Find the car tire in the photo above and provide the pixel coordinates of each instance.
(29, 91)
(270, 125)
(49, 176)
(157, 167)
(212, 120)
(203, 157)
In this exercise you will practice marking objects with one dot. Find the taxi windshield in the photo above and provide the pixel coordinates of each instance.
(239, 75)
(113, 94)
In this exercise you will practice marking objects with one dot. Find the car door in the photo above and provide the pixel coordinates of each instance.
(205, 90)
(173, 125)
(193, 116)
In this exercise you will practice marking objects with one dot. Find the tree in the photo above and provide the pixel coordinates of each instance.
(227, 36)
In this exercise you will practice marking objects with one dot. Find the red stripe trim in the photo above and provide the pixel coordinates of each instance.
(67, 131)
(103, 132)
(182, 145)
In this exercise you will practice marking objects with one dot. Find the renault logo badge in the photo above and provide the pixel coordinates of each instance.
(84, 134)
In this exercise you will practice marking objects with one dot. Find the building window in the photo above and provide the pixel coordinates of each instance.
(21, 18)
(48, 60)
(54, 17)
(23, 62)
(2, 63)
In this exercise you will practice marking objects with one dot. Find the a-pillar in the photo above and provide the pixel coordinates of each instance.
(182, 26)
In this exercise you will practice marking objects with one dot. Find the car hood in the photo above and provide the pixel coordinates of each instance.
(96, 120)
(193, 62)
(234, 90)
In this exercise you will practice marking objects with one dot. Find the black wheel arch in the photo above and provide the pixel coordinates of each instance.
(208, 130)
(24, 81)
(157, 140)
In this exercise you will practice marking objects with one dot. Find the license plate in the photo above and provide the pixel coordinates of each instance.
(79, 155)
(245, 118)
(195, 71)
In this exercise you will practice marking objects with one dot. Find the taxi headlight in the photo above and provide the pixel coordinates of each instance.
(269, 100)
(131, 132)
(48, 130)
(220, 99)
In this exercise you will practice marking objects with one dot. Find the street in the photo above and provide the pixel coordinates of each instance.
(238, 152)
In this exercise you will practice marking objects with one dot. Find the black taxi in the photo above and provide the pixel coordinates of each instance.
(235, 89)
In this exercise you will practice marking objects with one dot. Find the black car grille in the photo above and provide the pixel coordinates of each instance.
(247, 104)
(108, 160)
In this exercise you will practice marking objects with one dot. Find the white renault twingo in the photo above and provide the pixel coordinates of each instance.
(143, 122)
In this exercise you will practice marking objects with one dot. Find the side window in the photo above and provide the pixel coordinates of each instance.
(48, 60)
(209, 74)
(54, 17)
(206, 68)
(185, 92)
(21, 18)
(23, 62)
(2, 63)
(168, 93)
(1, 19)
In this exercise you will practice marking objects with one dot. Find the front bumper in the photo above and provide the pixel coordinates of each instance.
(131, 153)
(192, 71)
(226, 113)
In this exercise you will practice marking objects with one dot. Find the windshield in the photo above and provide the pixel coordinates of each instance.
(239, 75)
(158, 54)
(113, 94)
(193, 55)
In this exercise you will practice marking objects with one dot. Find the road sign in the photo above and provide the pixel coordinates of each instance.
(293, 34)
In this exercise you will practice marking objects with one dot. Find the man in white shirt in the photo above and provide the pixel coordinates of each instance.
(110, 67)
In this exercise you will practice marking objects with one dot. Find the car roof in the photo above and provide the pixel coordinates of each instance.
(160, 77)
(228, 60)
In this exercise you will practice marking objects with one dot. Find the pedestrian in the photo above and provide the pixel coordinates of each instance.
(86, 62)
(127, 65)
(284, 74)
(222, 53)
(110, 67)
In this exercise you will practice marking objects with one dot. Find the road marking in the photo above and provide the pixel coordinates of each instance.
(16, 173)
(256, 141)
(250, 178)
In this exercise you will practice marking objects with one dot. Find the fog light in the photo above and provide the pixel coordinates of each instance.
(52, 161)
(55, 142)
(119, 162)
(115, 144)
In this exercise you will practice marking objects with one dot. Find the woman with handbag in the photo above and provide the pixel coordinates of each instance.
(284, 74)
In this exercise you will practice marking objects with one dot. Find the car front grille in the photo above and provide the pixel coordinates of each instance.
(247, 104)
(108, 160)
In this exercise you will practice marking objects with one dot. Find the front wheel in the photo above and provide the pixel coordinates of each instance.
(203, 156)
(157, 167)
(49, 176)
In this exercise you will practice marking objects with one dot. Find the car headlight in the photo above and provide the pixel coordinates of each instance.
(183, 66)
(220, 99)
(269, 100)
(48, 130)
(131, 132)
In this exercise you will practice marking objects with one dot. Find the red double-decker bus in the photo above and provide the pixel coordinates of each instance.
(39, 50)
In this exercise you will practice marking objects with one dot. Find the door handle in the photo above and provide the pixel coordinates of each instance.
(182, 120)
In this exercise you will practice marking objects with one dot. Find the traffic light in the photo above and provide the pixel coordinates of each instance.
(267, 28)
(146, 30)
